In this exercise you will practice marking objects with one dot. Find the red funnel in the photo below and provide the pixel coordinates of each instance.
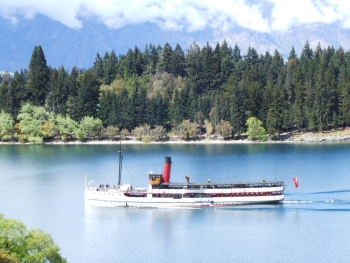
(167, 169)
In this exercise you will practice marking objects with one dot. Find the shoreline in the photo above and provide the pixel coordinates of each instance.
(296, 139)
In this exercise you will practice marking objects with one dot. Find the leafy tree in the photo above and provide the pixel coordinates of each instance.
(6, 258)
(255, 129)
(208, 127)
(6, 126)
(224, 128)
(124, 134)
(65, 126)
(112, 132)
(187, 130)
(31, 121)
(87, 127)
(17, 244)
(158, 133)
(141, 131)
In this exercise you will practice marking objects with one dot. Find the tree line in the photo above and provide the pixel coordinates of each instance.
(201, 90)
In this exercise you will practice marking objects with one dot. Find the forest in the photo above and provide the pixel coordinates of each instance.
(168, 90)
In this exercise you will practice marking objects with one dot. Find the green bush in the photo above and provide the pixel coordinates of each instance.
(146, 139)
(17, 244)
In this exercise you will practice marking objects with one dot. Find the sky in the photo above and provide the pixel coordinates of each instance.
(184, 15)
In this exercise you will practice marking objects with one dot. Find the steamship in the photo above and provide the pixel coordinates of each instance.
(163, 193)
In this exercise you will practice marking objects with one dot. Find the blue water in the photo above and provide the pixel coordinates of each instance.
(42, 186)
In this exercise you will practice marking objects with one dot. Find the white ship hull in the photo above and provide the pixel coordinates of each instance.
(98, 198)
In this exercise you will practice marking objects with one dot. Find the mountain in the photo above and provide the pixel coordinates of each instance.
(70, 47)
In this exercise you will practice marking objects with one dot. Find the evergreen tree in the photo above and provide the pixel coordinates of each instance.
(166, 64)
(227, 62)
(105, 111)
(16, 93)
(38, 77)
(98, 66)
(4, 88)
(88, 95)
(138, 62)
(178, 60)
(129, 63)
(292, 54)
(154, 58)
(193, 68)
(110, 69)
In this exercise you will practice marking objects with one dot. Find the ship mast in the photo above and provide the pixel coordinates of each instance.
(120, 165)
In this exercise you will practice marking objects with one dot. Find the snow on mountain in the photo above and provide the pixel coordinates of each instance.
(78, 47)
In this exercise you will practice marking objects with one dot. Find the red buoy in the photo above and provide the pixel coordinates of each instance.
(167, 169)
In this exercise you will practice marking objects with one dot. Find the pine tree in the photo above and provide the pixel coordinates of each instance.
(227, 62)
(138, 61)
(292, 54)
(154, 58)
(193, 67)
(178, 60)
(129, 63)
(98, 66)
(15, 94)
(165, 63)
(88, 95)
(4, 88)
(205, 76)
(38, 77)
(110, 69)
(215, 69)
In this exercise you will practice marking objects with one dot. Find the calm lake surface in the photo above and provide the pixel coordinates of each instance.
(42, 185)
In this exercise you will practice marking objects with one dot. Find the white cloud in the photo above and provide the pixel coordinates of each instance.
(286, 13)
(189, 15)
(170, 15)
(64, 11)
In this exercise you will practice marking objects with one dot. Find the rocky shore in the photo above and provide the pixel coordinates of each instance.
(325, 137)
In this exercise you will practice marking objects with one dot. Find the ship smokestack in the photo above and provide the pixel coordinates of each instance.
(167, 169)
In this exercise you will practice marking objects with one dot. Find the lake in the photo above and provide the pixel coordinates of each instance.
(42, 185)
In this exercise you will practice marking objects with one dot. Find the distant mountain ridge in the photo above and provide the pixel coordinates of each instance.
(69, 47)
